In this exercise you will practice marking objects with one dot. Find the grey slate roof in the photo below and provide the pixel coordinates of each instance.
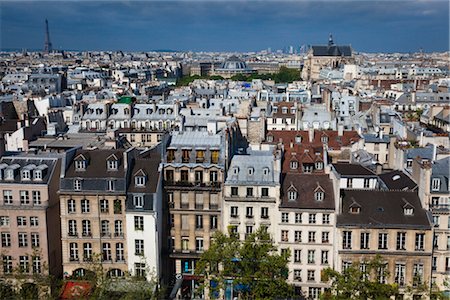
(333, 50)
(441, 169)
(382, 209)
(345, 169)
(261, 165)
(373, 138)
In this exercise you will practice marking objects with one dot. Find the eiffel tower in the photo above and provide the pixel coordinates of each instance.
(48, 45)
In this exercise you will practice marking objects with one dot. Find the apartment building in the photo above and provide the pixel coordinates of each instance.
(251, 191)
(305, 227)
(29, 215)
(354, 176)
(194, 171)
(392, 224)
(92, 203)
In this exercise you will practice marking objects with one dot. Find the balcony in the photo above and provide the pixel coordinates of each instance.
(440, 207)
(118, 234)
(86, 234)
(106, 234)
(234, 216)
(249, 216)
(74, 258)
(72, 234)
(120, 259)
(87, 259)
(187, 185)
(264, 216)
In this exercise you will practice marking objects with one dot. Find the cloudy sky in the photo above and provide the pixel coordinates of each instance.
(251, 25)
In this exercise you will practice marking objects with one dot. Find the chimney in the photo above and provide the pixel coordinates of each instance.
(413, 96)
(380, 133)
(434, 152)
(311, 134)
(378, 169)
(340, 129)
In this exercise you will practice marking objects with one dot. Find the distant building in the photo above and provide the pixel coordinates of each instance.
(233, 66)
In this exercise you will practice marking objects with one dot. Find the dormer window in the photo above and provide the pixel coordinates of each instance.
(113, 165)
(298, 139)
(284, 110)
(235, 170)
(266, 171)
(26, 175)
(126, 111)
(324, 139)
(37, 175)
(251, 171)
(139, 180)
(435, 184)
(275, 109)
(408, 211)
(319, 165)
(355, 209)
(292, 195)
(80, 165)
(319, 195)
(294, 165)
(9, 174)
(77, 185)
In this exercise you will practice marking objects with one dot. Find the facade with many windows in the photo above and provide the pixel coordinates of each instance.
(251, 191)
(305, 226)
(92, 205)
(391, 224)
(29, 222)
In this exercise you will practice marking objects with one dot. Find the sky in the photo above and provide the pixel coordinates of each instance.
(233, 25)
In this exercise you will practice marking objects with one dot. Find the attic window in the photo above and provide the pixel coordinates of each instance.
(318, 196)
(284, 110)
(26, 175)
(298, 139)
(139, 180)
(395, 177)
(235, 170)
(251, 171)
(292, 195)
(319, 165)
(80, 165)
(112, 165)
(38, 175)
(355, 209)
(324, 139)
(270, 138)
(294, 165)
(408, 211)
(266, 171)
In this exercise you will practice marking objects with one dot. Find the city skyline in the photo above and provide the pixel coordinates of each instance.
(241, 26)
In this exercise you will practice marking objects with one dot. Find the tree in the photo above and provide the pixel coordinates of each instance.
(359, 283)
(254, 266)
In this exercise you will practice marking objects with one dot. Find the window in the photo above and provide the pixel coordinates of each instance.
(311, 256)
(401, 240)
(249, 192)
(198, 177)
(399, 275)
(7, 264)
(284, 236)
(7, 197)
(85, 206)
(234, 211)
(198, 222)
(105, 228)
(420, 239)
(346, 265)
(214, 156)
(318, 196)
(264, 212)
(436, 221)
(285, 217)
(118, 228)
(106, 252)
(312, 218)
(311, 275)
(234, 191)
(307, 168)
(24, 197)
(349, 183)
(298, 236)
(73, 251)
(248, 230)
(6, 239)
(77, 184)
(24, 264)
(199, 244)
(139, 247)
(435, 184)
(112, 165)
(311, 237)
(213, 177)
(117, 206)
(249, 212)
(36, 261)
(347, 240)
(139, 181)
(382, 241)
(138, 223)
(366, 183)
(139, 269)
(365, 237)
(120, 252)
(213, 222)
(326, 219)
(72, 228)
(71, 208)
(21, 221)
(294, 165)
(80, 165)
(324, 257)
(297, 255)
(298, 218)
(292, 195)
(298, 275)
(264, 192)
(417, 274)
(138, 201)
(325, 237)
(104, 206)
(34, 221)
(36, 197)
(26, 175)
(185, 244)
(110, 185)
(87, 252)
(199, 201)
(4, 221)
(86, 228)
(250, 171)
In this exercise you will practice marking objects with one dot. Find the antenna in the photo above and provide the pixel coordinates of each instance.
(48, 45)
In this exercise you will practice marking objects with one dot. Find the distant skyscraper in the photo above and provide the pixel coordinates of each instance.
(48, 45)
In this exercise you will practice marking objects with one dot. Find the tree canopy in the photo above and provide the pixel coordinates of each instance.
(253, 265)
